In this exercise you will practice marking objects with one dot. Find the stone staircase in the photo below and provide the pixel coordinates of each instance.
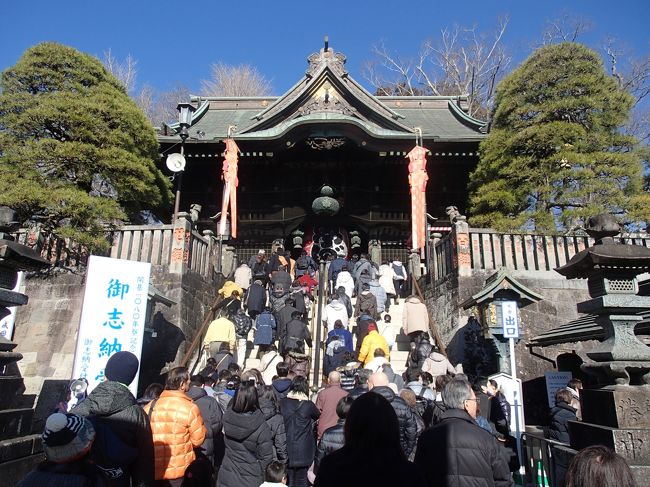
(398, 355)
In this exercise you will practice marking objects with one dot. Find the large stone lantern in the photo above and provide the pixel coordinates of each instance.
(614, 414)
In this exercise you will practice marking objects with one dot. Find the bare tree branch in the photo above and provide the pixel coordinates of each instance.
(462, 61)
(125, 71)
(242, 80)
(566, 28)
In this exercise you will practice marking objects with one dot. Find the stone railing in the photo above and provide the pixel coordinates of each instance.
(177, 246)
(466, 249)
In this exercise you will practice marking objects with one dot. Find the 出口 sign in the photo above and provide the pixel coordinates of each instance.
(113, 316)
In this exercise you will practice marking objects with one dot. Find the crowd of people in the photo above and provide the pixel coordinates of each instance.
(367, 424)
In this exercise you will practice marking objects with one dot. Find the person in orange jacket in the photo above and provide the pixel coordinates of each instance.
(177, 428)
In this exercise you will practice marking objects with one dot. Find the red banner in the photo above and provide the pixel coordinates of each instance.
(418, 183)
(230, 183)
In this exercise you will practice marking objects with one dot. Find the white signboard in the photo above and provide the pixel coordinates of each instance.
(554, 381)
(7, 323)
(113, 316)
(509, 319)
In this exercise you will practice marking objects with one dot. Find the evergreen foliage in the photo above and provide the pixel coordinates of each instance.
(76, 153)
(555, 154)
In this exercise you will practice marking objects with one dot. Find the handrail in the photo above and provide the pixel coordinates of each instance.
(201, 332)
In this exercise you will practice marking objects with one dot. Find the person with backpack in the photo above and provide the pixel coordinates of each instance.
(344, 280)
(420, 351)
(177, 427)
(305, 264)
(399, 280)
(300, 416)
(340, 331)
(344, 298)
(221, 331)
(297, 334)
(335, 267)
(363, 265)
(123, 447)
(255, 299)
(437, 364)
(231, 304)
(335, 310)
(386, 276)
(260, 268)
(366, 303)
(335, 351)
(380, 295)
(281, 277)
(243, 325)
(362, 282)
(265, 328)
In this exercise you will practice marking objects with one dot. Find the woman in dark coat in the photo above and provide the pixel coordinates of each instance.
(249, 447)
(300, 415)
(269, 406)
(265, 326)
(255, 298)
(372, 454)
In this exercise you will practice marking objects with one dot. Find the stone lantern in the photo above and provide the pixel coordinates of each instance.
(616, 413)
(18, 449)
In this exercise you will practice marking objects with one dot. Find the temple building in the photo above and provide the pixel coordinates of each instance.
(327, 130)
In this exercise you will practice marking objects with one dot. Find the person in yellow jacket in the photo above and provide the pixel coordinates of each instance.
(177, 428)
(221, 330)
(372, 341)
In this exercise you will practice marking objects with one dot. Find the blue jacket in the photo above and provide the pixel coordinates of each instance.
(335, 267)
(347, 337)
(265, 324)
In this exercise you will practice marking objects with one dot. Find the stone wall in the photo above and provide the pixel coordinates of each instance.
(46, 330)
(557, 308)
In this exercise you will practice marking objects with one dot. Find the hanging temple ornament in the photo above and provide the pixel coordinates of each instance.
(326, 205)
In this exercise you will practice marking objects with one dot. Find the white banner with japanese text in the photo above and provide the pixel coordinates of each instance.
(7, 323)
(112, 317)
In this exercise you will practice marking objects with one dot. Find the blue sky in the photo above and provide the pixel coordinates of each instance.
(175, 42)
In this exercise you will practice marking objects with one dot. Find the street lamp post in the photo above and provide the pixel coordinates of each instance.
(185, 111)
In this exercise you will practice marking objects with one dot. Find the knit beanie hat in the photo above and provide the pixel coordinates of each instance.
(67, 437)
(372, 326)
(122, 367)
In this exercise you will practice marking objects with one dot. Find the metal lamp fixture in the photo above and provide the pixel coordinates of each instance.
(185, 111)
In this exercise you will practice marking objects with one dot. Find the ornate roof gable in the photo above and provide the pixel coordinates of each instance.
(327, 89)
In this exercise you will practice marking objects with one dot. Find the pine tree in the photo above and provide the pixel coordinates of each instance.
(555, 154)
(76, 154)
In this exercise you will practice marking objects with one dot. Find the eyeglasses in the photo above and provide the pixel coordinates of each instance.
(475, 399)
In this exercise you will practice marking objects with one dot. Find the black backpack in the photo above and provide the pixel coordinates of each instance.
(243, 324)
(424, 407)
(302, 263)
(112, 456)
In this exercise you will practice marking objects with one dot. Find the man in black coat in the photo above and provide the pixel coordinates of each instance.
(211, 414)
(408, 429)
(561, 414)
(457, 452)
(296, 334)
(112, 402)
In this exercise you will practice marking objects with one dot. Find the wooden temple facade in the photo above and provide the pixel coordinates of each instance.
(325, 130)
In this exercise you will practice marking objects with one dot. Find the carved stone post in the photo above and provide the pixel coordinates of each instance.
(209, 261)
(180, 244)
(462, 257)
(433, 257)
